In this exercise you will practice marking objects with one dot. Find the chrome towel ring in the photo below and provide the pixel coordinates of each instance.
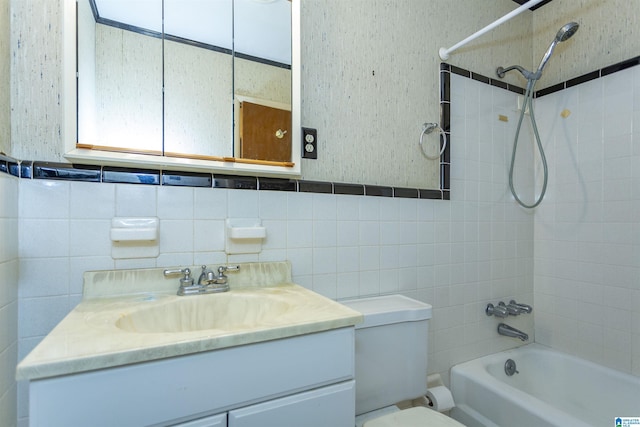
(427, 128)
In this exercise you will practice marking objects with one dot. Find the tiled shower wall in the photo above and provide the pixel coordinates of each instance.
(456, 255)
(8, 297)
(587, 236)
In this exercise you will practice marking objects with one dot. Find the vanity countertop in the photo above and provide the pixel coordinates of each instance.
(92, 335)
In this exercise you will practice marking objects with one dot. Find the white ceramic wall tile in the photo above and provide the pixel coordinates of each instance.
(348, 233)
(273, 205)
(585, 245)
(44, 277)
(86, 203)
(299, 234)
(347, 208)
(210, 203)
(178, 236)
(299, 206)
(41, 238)
(325, 233)
(9, 267)
(37, 316)
(324, 207)
(324, 261)
(136, 200)
(276, 234)
(209, 236)
(44, 199)
(242, 204)
(175, 203)
(89, 237)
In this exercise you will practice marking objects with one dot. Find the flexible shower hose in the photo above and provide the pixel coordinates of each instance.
(528, 102)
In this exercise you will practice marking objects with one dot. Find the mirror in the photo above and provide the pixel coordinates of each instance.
(207, 87)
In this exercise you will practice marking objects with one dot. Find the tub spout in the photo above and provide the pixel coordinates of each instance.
(508, 331)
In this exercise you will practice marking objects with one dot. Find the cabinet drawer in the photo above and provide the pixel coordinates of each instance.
(327, 406)
(214, 421)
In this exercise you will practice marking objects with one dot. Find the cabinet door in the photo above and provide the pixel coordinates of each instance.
(328, 406)
(213, 421)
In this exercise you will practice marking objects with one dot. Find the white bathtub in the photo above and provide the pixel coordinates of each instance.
(551, 389)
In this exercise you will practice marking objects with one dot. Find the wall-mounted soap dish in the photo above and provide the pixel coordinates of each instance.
(244, 236)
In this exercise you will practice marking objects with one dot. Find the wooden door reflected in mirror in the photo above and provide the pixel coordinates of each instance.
(265, 132)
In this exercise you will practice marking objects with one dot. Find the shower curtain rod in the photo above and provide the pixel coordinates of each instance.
(444, 52)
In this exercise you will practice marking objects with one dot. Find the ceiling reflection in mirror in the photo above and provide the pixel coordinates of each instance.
(176, 86)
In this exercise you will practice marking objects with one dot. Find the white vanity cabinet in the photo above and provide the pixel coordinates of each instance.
(304, 380)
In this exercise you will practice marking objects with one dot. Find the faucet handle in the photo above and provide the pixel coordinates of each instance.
(524, 308)
(512, 309)
(497, 311)
(224, 268)
(187, 280)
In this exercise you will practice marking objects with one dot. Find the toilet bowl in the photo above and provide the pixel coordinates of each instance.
(391, 363)
(418, 416)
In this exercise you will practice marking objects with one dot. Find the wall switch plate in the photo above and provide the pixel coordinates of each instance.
(309, 143)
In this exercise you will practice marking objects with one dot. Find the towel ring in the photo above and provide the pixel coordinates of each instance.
(427, 128)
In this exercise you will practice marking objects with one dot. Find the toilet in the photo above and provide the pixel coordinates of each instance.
(391, 363)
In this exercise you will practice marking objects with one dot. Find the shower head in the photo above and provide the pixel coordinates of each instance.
(563, 34)
(567, 31)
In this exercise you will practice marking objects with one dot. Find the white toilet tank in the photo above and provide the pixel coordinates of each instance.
(391, 350)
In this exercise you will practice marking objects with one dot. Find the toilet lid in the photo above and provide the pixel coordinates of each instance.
(418, 416)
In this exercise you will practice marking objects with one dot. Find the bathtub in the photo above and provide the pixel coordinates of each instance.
(551, 389)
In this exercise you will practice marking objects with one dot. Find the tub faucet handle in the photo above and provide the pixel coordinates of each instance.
(524, 308)
(512, 309)
(497, 311)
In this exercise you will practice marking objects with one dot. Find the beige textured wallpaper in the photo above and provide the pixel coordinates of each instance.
(36, 80)
(609, 33)
(5, 81)
(371, 79)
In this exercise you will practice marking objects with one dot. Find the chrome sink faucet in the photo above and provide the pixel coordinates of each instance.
(207, 283)
(208, 277)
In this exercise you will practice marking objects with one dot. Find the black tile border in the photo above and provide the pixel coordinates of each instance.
(29, 169)
(235, 182)
(186, 179)
(65, 172)
(277, 184)
(378, 190)
(348, 189)
(117, 175)
(315, 187)
(602, 72)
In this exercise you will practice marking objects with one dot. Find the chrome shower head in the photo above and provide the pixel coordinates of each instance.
(563, 34)
(567, 31)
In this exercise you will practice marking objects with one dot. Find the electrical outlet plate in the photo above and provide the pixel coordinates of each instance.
(309, 143)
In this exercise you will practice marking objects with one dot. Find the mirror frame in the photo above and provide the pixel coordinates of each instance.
(237, 167)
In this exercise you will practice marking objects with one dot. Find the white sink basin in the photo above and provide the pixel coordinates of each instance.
(132, 316)
(233, 311)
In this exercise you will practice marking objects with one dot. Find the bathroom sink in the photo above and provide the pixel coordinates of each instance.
(231, 311)
(133, 316)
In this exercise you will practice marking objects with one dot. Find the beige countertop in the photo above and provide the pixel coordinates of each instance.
(126, 317)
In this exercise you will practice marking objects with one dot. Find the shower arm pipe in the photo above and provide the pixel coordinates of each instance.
(444, 52)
